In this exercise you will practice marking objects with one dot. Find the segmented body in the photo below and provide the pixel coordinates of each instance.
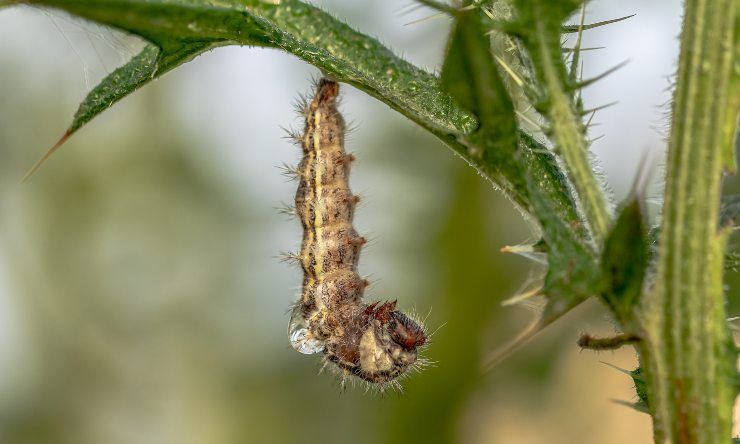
(374, 342)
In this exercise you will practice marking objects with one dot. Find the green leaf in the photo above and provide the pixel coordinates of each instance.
(321, 40)
(640, 386)
(624, 262)
(572, 275)
(146, 66)
(295, 27)
(470, 75)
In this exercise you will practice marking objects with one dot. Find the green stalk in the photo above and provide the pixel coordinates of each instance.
(687, 354)
(568, 133)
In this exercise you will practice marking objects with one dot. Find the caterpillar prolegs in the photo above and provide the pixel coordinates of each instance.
(374, 342)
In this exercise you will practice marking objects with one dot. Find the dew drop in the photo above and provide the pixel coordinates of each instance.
(300, 338)
(302, 342)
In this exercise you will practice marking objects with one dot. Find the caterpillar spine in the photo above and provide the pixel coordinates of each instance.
(374, 342)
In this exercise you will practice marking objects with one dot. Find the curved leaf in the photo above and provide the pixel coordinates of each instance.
(149, 64)
(295, 27)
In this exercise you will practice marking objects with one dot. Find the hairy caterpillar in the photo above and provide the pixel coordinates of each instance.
(374, 342)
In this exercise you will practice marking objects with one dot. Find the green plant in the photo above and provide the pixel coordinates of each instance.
(503, 59)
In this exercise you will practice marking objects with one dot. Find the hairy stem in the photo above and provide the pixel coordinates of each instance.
(568, 133)
(687, 352)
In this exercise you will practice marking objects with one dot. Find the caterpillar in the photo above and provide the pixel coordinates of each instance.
(374, 342)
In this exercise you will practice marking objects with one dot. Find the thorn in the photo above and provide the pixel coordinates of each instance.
(407, 9)
(577, 48)
(598, 108)
(46, 156)
(522, 338)
(589, 342)
(529, 121)
(521, 297)
(639, 406)
(570, 29)
(488, 13)
(532, 252)
(424, 19)
(439, 6)
(619, 369)
(596, 138)
(585, 83)
(510, 71)
(590, 119)
(592, 48)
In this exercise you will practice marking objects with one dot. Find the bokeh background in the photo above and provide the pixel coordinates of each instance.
(141, 298)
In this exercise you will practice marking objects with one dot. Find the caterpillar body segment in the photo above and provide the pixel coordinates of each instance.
(374, 342)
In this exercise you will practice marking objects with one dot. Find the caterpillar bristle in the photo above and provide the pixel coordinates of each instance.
(301, 105)
(289, 172)
(287, 210)
(290, 257)
(293, 135)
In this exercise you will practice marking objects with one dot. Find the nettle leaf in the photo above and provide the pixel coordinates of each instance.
(624, 261)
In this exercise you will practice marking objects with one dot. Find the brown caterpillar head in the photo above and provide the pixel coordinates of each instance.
(388, 345)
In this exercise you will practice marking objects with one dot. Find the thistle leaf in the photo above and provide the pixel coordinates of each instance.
(470, 75)
(149, 64)
(624, 261)
(295, 27)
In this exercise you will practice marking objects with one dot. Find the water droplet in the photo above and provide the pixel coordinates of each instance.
(302, 342)
(300, 338)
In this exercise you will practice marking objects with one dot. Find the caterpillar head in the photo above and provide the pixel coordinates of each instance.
(388, 345)
(376, 343)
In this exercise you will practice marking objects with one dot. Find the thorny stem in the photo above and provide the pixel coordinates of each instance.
(687, 354)
(567, 130)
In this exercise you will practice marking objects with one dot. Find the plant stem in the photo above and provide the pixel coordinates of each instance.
(687, 353)
(566, 127)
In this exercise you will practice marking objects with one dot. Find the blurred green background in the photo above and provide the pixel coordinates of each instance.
(141, 300)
